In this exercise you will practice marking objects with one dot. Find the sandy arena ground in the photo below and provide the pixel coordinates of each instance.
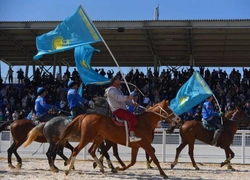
(38, 169)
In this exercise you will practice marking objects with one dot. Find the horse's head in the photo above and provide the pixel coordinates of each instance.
(163, 110)
(238, 115)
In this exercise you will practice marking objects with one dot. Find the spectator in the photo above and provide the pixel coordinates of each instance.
(102, 72)
(20, 76)
(31, 115)
(10, 74)
(15, 115)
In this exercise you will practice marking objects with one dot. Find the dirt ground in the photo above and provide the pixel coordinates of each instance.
(38, 169)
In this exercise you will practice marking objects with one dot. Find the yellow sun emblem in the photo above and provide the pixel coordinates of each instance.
(182, 100)
(57, 42)
(84, 64)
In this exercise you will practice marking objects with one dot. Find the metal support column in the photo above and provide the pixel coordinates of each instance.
(155, 63)
(27, 66)
(54, 66)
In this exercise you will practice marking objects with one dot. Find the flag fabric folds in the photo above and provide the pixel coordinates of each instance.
(74, 31)
(194, 91)
(83, 55)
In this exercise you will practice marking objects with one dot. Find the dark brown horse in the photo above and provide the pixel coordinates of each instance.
(96, 127)
(19, 130)
(192, 130)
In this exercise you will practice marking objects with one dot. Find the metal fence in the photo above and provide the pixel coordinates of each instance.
(164, 144)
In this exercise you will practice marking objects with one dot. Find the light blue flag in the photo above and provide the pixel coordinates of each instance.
(83, 55)
(74, 31)
(194, 91)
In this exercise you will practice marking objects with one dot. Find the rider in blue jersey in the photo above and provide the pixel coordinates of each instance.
(75, 101)
(41, 107)
(212, 118)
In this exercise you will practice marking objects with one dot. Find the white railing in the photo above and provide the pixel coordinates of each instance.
(164, 144)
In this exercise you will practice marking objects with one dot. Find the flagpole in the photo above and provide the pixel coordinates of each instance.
(108, 50)
(218, 107)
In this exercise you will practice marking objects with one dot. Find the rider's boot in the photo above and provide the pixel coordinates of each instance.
(215, 138)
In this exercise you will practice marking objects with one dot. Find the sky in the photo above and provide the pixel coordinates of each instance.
(57, 10)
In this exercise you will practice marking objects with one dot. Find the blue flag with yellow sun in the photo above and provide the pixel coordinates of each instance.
(193, 92)
(83, 55)
(74, 31)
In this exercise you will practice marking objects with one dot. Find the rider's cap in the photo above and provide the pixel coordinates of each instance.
(40, 90)
(71, 83)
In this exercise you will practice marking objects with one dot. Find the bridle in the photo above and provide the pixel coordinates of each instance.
(162, 111)
(235, 118)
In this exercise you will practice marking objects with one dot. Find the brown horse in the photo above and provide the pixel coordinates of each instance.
(19, 130)
(192, 130)
(98, 127)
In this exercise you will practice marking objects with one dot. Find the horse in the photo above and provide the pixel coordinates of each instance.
(19, 130)
(53, 129)
(96, 127)
(192, 130)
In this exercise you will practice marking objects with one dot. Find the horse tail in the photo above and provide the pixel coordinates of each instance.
(5, 124)
(71, 128)
(36, 131)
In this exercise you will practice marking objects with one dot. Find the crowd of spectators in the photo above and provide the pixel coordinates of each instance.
(230, 89)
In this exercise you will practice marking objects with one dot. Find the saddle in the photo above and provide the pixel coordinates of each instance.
(207, 126)
(117, 121)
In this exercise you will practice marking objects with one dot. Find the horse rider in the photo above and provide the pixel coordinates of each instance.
(117, 102)
(75, 100)
(41, 107)
(212, 118)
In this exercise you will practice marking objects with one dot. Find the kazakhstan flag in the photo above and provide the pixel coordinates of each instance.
(83, 55)
(194, 91)
(74, 31)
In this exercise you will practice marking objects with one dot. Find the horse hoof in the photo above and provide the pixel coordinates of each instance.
(18, 166)
(172, 166)
(222, 164)
(115, 170)
(66, 172)
(102, 171)
(94, 165)
(54, 169)
(196, 168)
(149, 167)
(165, 176)
(232, 169)
(11, 166)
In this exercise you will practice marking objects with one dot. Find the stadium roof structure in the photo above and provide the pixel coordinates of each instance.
(208, 43)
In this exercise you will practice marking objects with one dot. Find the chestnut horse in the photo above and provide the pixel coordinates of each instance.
(54, 128)
(96, 127)
(19, 130)
(192, 130)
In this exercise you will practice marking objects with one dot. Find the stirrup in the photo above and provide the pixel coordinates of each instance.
(134, 139)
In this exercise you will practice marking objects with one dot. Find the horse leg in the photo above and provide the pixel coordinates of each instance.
(51, 154)
(150, 150)
(70, 147)
(104, 152)
(85, 139)
(148, 160)
(13, 149)
(96, 143)
(178, 151)
(229, 155)
(115, 153)
(134, 152)
(10, 151)
(191, 155)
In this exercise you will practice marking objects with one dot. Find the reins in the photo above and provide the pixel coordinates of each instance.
(160, 114)
(234, 118)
